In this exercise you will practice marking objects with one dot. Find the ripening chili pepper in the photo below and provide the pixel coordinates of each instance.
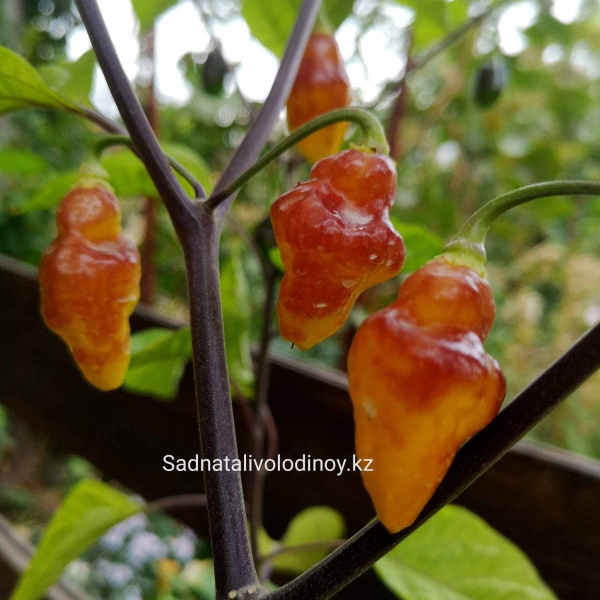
(321, 86)
(489, 81)
(335, 240)
(421, 384)
(89, 284)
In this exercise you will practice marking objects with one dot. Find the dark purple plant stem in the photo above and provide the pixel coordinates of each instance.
(476, 456)
(179, 206)
(258, 134)
(234, 566)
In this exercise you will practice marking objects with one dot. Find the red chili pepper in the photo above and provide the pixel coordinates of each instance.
(320, 87)
(336, 241)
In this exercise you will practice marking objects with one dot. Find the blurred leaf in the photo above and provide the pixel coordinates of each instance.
(22, 87)
(458, 556)
(129, 177)
(147, 11)
(158, 358)
(78, 86)
(73, 79)
(235, 302)
(50, 193)
(90, 510)
(314, 524)
(21, 162)
(271, 21)
(421, 244)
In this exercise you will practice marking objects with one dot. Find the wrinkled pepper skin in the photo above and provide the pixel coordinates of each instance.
(336, 241)
(89, 283)
(321, 86)
(421, 384)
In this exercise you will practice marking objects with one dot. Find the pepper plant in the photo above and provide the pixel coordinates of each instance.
(91, 509)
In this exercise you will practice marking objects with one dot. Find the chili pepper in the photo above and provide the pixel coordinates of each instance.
(214, 72)
(335, 240)
(421, 384)
(89, 284)
(488, 83)
(321, 86)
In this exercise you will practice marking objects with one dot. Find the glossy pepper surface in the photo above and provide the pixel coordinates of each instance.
(89, 283)
(335, 241)
(421, 384)
(321, 86)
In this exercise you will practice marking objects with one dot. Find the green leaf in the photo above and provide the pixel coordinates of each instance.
(21, 162)
(314, 524)
(50, 194)
(72, 79)
(130, 179)
(235, 303)
(458, 556)
(421, 244)
(90, 510)
(147, 11)
(158, 358)
(78, 86)
(271, 21)
(22, 87)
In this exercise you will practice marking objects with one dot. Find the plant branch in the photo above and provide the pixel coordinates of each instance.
(250, 148)
(179, 206)
(487, 447)
(472, 234)
(427, 55)
(374, 138)
(436, 49)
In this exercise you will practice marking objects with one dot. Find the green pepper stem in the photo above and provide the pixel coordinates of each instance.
(123, 140)
(323, 24)
(470, 238)
(373, 139)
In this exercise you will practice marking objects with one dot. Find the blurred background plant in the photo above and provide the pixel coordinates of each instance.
(515, 100)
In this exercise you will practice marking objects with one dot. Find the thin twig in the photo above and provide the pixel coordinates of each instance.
(250, 148)
(419, 61)
(180, 207)
(262, 410)
(393, 132)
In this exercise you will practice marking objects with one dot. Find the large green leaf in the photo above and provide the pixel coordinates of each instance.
(421, 244)
(271, 21)
(158, 358)
(314, 524)
(22, 87)
(130, 179)
(458, 556)
(235, 302)
(147, 11)
(88, 511)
